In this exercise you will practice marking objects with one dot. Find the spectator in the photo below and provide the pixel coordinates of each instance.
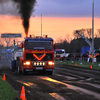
(74, 56)
(69, 56)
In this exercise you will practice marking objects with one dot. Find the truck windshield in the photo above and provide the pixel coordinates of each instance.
(59, 52)
(39, 45)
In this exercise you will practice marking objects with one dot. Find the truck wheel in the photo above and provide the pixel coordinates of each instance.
(18, 69)
(23, 71)
(50, 72)
(44, 72)
(16, 64)
(13, 65)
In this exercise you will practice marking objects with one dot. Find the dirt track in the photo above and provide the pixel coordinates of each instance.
(66, 83)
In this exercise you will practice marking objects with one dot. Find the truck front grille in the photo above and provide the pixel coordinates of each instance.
(29, 56)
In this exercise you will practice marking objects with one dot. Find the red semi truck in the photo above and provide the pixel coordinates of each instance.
(37, 54)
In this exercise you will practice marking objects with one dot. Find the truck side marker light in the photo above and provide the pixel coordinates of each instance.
(38, 57)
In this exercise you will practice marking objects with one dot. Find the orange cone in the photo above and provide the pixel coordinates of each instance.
(4, 77)
(75, 64)
(90, 66)
(23, 94)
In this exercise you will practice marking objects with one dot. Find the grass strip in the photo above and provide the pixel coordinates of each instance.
(96, 65)
(6, 92)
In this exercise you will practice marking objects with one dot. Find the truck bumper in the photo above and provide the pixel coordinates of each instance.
(38, 69)
(31, 68)
(38, 65)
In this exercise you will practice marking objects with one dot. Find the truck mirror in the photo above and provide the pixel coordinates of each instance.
(22, 45)
(55, 46)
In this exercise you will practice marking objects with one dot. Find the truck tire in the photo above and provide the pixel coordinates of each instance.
(13, 65)
(18, 69)
(23, 71)
(50, 72)
(44, 72)
(16, 64)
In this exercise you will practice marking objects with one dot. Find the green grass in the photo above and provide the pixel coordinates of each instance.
(81, 64)
(6, 92)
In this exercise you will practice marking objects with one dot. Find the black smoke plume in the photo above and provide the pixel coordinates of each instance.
(26, 7)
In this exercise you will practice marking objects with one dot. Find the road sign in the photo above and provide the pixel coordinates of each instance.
(10, 35)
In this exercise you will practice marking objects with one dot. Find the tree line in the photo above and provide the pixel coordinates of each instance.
(78, 42)
(74, 46)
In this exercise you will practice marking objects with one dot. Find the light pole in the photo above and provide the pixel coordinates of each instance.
(93, 32)
(41, 25)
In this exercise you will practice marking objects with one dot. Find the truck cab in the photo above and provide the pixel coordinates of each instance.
(37, 54)
(59, 54)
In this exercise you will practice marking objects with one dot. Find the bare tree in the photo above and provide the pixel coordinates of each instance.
(68, 37)
(59, 40)
(78, 36)
(98, 33)
(86, 32)
(7, 41)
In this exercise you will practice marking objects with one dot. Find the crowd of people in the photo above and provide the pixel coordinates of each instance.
(83, 57)
(5, 55)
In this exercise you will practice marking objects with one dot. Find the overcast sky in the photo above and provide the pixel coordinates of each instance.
(67, 8)
(56, 8)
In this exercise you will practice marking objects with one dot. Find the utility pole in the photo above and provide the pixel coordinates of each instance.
(93, 32)
(41, 25)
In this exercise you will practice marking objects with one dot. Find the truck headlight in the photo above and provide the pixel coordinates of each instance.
(43, 63)
(27, 63)
(51, 63)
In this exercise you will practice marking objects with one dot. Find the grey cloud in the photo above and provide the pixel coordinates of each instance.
(67, 8)
(3, 1)
(8, 7)
(57, 8)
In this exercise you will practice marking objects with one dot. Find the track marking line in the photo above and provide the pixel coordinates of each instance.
(76, 88)
(27, 84)
(57, 96)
